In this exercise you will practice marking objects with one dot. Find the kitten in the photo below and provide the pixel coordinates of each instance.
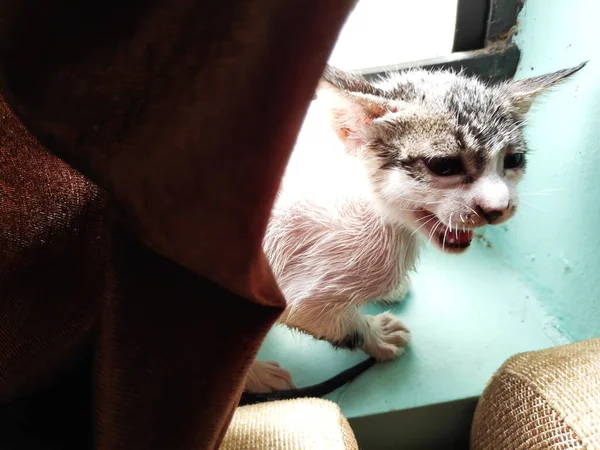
(378, 168)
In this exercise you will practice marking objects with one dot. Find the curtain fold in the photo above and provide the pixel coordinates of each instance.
(178, 117)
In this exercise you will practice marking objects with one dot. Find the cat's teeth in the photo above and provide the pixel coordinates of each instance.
(459, 237)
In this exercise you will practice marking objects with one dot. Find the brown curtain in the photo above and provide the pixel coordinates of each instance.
(133, 289)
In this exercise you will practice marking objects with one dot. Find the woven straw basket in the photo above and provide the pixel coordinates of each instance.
(548, 399)
(304, 424)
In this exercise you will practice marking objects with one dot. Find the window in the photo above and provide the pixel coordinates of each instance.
(471, 35)
(386, 32)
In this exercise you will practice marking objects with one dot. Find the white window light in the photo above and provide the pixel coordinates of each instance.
(388, 32)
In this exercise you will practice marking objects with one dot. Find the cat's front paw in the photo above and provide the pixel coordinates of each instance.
(387, 337)
(267, 376)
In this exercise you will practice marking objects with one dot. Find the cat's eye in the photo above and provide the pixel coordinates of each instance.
(445, 167)
(514, 161)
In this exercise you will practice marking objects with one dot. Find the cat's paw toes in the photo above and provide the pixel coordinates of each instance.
(388, 337)
(268, 376)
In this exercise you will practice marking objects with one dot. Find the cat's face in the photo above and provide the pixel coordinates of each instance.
(444, 152)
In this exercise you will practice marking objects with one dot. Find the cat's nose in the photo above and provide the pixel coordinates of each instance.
(491, 214)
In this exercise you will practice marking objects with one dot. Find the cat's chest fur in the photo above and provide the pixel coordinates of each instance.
(325, 236)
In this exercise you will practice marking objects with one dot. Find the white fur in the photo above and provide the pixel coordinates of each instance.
(330, 248)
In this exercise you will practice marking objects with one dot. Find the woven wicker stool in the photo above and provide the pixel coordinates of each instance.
(548, 399)
(303, 424)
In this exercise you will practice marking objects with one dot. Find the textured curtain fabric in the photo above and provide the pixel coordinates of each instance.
(133, 289)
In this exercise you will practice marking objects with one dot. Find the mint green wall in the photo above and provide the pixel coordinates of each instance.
(554, 243)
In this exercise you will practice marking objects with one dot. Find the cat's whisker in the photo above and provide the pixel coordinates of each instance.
(430, 219)
(543, 190)
(534, 206)
(469, 208)
(410, 199)
(434, 203)
(431, 233)
(425, 217)
(455, 230)
(450, 227)
(474, 212)
(433, 230)
(444, 239)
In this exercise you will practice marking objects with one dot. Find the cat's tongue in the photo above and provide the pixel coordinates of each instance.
(459, 237)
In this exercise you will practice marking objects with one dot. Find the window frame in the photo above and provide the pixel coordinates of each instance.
(483, 44)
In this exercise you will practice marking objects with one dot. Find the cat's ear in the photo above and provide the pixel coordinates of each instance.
(349, 82)
(353, 103)
(523, 92)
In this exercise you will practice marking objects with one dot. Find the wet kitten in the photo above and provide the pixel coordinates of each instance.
(376, 167)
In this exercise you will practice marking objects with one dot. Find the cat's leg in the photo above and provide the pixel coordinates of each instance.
(397, 295)
(382, 336)
(267, 376)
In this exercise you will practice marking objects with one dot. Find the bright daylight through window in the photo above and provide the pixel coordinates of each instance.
(387, 32)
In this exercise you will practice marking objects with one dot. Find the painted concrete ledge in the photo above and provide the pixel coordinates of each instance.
(467, 314)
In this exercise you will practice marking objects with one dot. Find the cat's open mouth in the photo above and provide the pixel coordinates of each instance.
(451, 240)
